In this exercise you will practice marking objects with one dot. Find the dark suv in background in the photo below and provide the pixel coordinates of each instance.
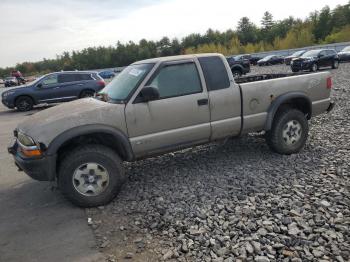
(239, 65)
(313, 60)
(53, 88)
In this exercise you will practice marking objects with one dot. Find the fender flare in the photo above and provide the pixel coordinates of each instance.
(271, 112)
(90, 129)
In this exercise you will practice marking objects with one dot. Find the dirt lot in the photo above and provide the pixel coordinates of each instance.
(238, 201)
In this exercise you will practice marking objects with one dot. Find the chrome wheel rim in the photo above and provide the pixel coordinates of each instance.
(90, 179)
(336, 64)
(292, 132)
(314, 68)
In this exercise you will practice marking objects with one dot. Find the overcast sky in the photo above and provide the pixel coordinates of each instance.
(33, 29)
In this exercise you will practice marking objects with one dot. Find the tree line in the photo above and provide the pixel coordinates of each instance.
(320, 27)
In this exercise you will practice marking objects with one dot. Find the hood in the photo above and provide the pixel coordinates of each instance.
(15, 88)
(45, 125)
(304, 58)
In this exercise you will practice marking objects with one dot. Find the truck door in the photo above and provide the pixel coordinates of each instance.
(224, 97)
(179, 118)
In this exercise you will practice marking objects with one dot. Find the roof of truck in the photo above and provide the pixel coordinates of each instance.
(172, 58)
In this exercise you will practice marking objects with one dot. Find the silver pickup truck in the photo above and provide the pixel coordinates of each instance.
(161, 105)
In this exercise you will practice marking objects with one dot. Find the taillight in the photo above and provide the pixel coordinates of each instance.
(329, 83)
(101, 83)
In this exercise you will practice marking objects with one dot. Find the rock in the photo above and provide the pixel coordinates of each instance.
(129, 255)
(222, 251)
(325, 203)
(256, 246)
(249, 248)
(261, 259)
(168, 255)
(105, 244)
(317, 253)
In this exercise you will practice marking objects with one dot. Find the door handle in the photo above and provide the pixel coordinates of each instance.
(202, 102)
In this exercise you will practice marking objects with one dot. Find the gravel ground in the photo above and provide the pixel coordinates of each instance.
(238, 201)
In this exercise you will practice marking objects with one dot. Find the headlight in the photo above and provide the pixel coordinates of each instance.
(25, 140)
(8, 93)
(27, 145)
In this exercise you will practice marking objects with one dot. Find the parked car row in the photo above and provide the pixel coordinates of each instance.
(313, 60)
(343, 56)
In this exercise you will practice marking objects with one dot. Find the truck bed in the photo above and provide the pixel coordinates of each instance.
(261, 77)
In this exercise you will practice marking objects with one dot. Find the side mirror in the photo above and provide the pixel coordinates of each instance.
(149, 93)
(40, 85)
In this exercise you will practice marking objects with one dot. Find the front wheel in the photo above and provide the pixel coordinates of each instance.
(24, 103)
(335, 64)
(91, 175)
(236, 73)
(289, 132)
(314, 68)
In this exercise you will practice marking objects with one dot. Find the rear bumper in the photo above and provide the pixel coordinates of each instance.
(41, 169)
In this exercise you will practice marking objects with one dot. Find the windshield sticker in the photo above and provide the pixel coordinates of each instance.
(135, 72)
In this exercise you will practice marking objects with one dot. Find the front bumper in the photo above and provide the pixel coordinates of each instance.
(41, 169)
(7, 103)
(301, 66)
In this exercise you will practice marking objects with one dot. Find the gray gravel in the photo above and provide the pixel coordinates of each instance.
(238, 201)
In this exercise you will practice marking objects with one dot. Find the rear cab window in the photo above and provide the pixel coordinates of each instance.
(215, 73)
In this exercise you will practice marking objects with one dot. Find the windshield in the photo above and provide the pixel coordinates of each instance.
(267, 57)
(346, 49)
(298, 53)
(124, 83)
(312, 53)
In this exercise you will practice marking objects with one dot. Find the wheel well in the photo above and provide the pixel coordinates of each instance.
(28, 96)
(236, 68)
(105, 139)
(84, 90)
(297, 103)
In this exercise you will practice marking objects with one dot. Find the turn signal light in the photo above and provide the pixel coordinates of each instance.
(31, 153)
(329, 83)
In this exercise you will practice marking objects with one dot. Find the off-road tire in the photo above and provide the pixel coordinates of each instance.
(91, 153)
(24, 103)
(274, 137)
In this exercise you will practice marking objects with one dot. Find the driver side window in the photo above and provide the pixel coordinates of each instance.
(177, 80)
(49, 80)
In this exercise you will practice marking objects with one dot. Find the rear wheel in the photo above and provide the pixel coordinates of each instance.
(24, 103)
(91, 175)
(289, 132)
(295, 70)
(87, 93)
